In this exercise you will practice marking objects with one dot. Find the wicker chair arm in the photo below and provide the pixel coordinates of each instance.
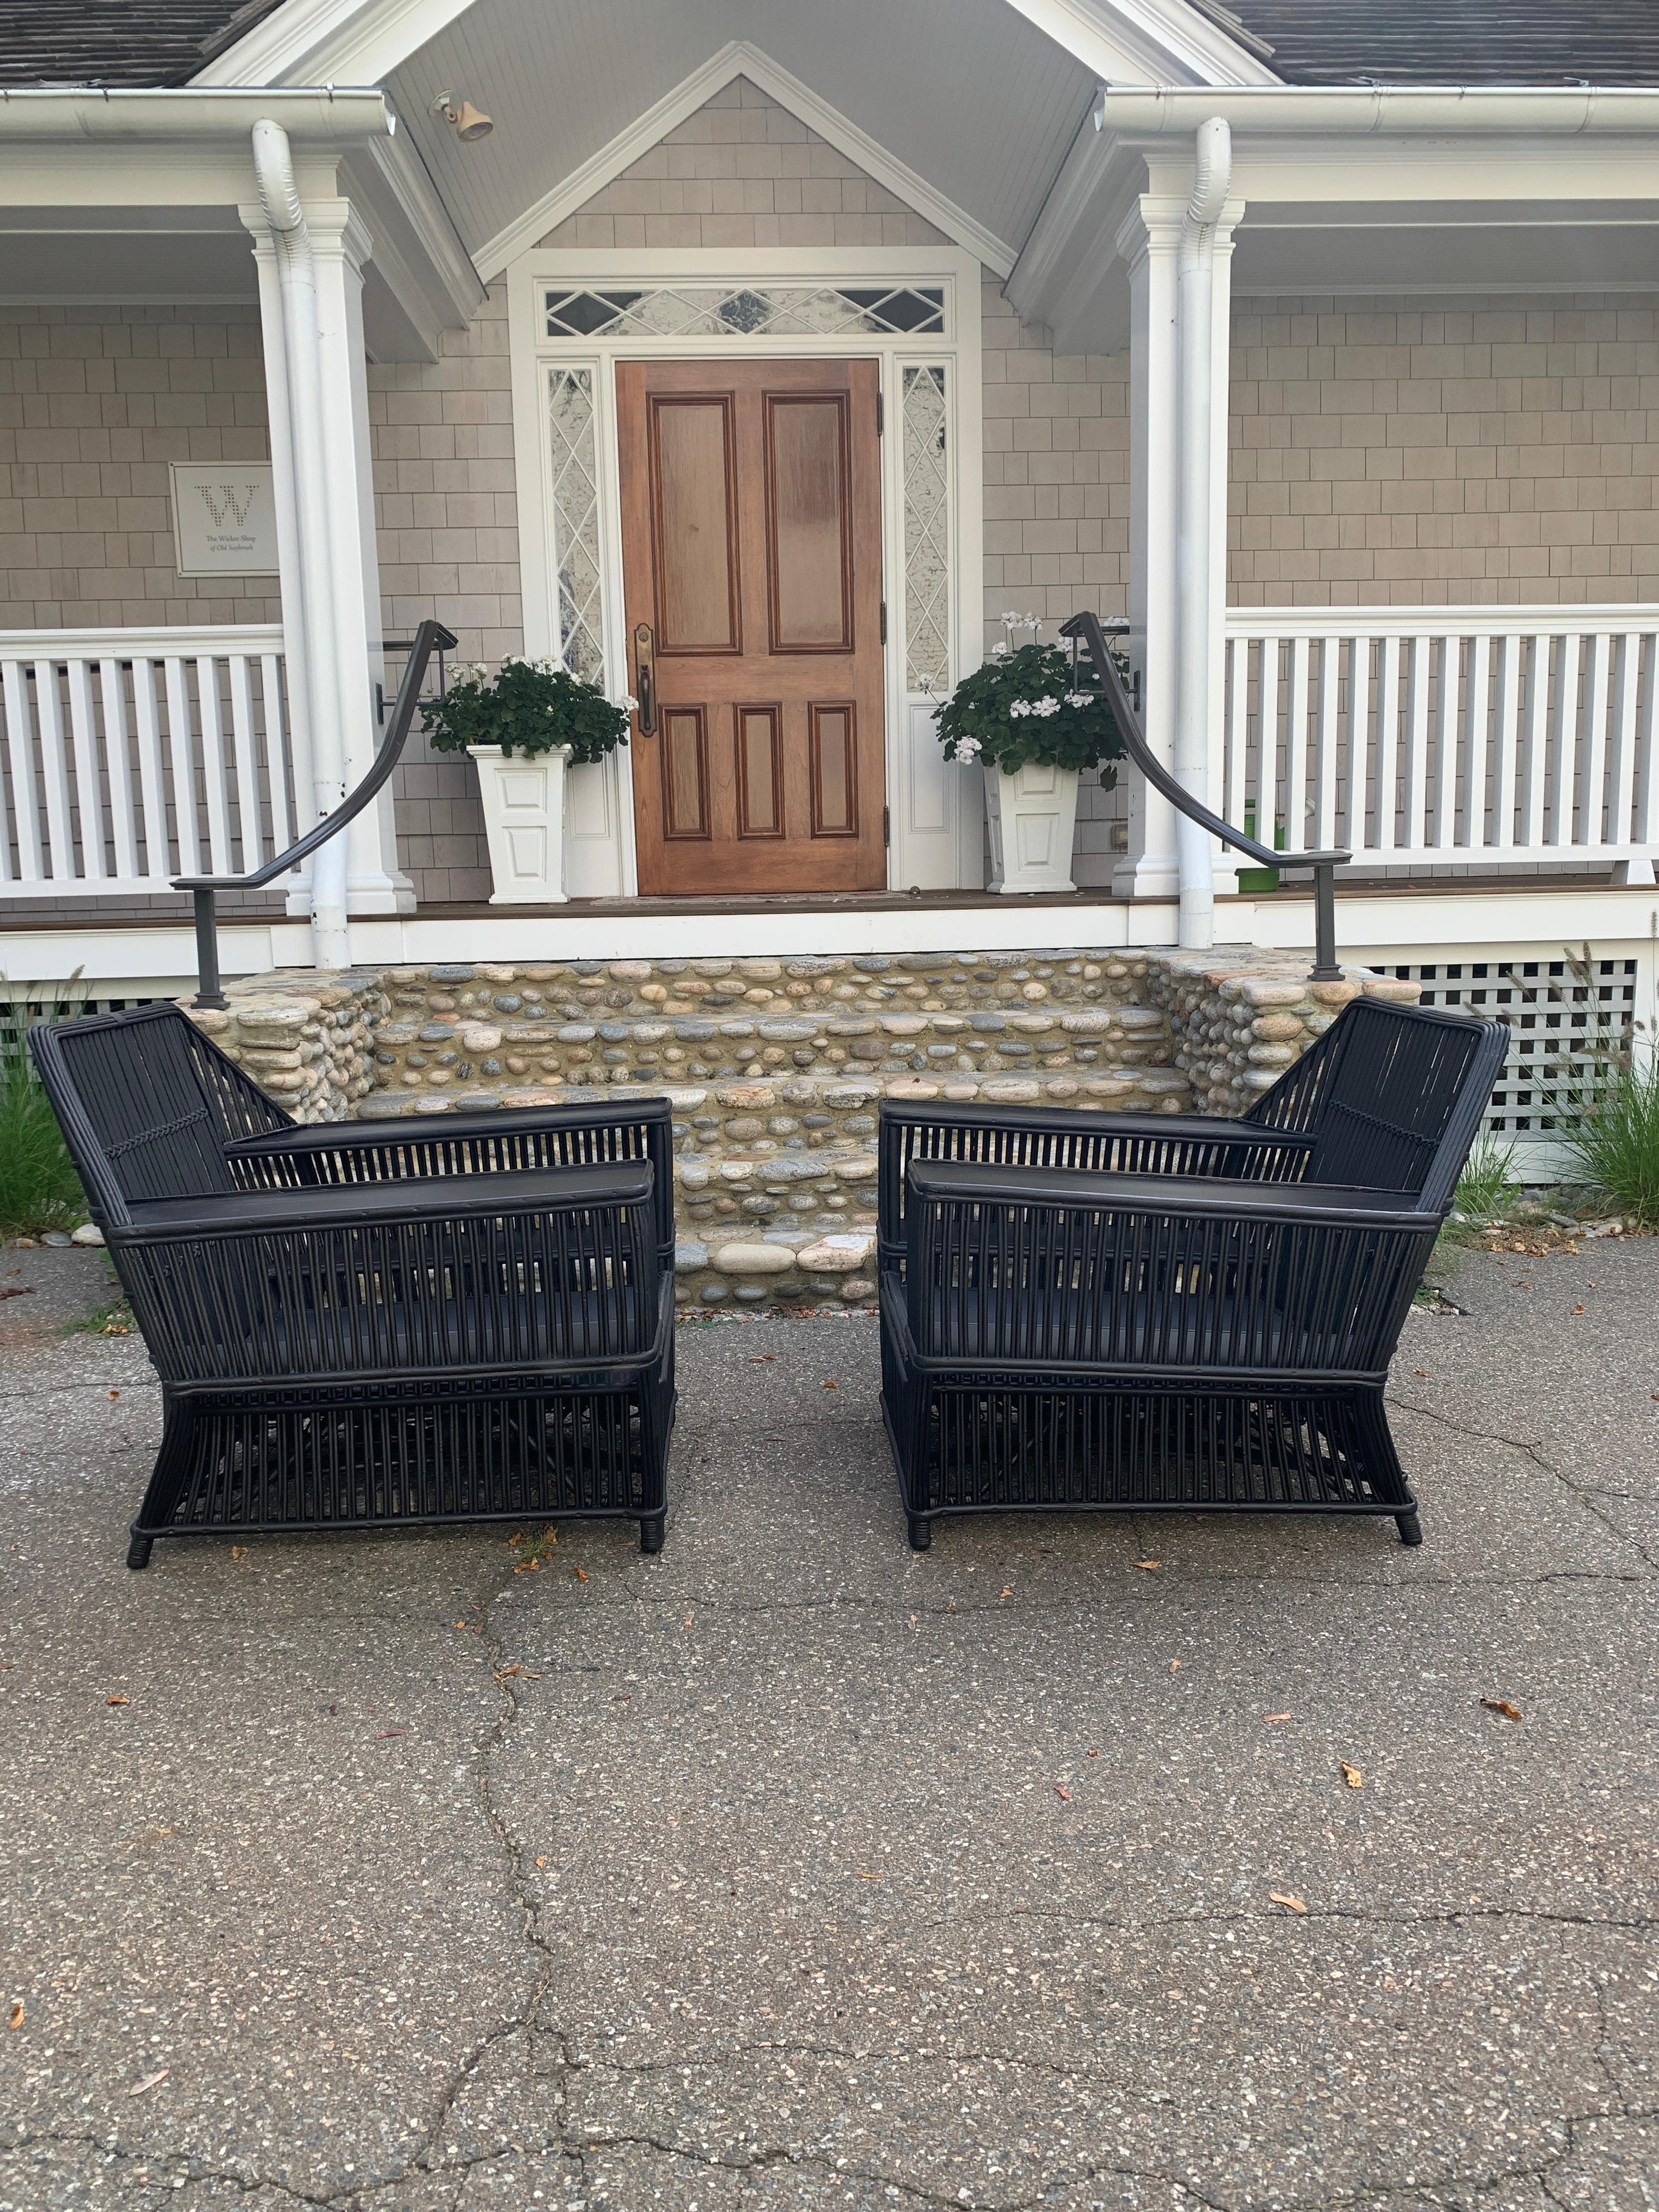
(1332, 1205)
(390, 1204)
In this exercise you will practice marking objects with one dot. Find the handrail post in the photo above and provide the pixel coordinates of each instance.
(1325, 968)
(209, 991)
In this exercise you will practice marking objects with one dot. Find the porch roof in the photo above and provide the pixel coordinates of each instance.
(1453, 41)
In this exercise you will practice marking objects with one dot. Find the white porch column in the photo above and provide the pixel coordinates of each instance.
(297, 659)
(1223, 865)
(340, 247)
(332, 664)
(1148, 242)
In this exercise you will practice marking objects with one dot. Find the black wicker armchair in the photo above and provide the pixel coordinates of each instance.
(469, 1317)
(1152, 1312)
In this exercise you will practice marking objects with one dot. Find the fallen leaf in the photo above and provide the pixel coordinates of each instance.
(15, 2019)
(541, 1862)
(148, 2082)
(1007, 1592)
(1351, 1775)
(1290, 1903)
(1424, 1373)
(114, 1394)
(18, 1290)
(863, 1876)
(380, 1735)
(1060, 1790)
(832, 1386)
(913, 1624)
(1275, 1716)
(579, 1574)
(528, 1567)
(1095, 1754)
(117, 1701)
(239, 1550)
(687, 1622)
(1578, 1309)
(1502, 1705)
(1174, 1666)
(760, 1358)
(1147, 1567)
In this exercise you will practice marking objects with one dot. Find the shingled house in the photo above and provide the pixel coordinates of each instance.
(1349, 407)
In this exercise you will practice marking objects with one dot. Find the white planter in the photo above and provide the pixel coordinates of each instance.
(524, 814)
(1033, 819)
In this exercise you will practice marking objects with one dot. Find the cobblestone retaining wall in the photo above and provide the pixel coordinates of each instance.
(776, 1067)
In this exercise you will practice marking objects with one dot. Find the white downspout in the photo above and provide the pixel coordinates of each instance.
(273, 167)
(1194, 269)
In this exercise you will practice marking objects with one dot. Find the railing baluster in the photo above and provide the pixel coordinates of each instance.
(1238, 724)
(1502, 782)
(1564, 752)
(1621, 762)
(1476, 712)
(1267, 750)
(1326, 740)
(212, 763)
(284, 828)
(124, 829)
(88, 784)
(247, 773)
(1295, 746)
(1359, 723)
(1592, 794)
(184, 765)
(54, 772)
(1417, 744)
(1388, 740)
(1446, 714)
(1535, 742)
(151, 781)
(1645, 831)
(21, 752)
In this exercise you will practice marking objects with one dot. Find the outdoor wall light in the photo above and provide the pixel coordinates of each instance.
(471, 123)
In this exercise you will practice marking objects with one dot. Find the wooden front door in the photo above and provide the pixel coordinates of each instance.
(751, 559)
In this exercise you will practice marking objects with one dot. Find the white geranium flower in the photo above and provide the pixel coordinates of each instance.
(1001, 649)
(1079, 698)
(629, 703)
(967, 748)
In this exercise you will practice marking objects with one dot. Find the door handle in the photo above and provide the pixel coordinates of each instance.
(645, 678)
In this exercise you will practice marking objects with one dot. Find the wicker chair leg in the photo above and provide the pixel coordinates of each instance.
(139, 1551)
(651, 1533)
(921, 1533)
(1410, 1528)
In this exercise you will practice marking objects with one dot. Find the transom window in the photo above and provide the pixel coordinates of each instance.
(746, 310)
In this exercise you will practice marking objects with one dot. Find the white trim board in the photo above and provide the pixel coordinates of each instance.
(740, 58)
(943, 852)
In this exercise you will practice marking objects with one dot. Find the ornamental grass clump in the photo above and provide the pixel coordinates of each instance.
(525, 707)
(39, 1189)
(1488, 1186)
(1028, 705)
(1614, 1139)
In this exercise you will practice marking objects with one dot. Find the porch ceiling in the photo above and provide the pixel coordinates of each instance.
(967, 94)
(1357, 191)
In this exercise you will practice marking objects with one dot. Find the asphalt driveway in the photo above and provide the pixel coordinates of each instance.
(1077, 1864)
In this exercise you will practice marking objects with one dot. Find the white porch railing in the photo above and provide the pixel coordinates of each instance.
(1458, 736)
(130, 756)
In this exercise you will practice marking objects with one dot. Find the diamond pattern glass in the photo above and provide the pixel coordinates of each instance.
(716, 311)
(576, 522)
(925, 422)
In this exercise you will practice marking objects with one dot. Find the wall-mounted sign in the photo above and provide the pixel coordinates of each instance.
(224, 518)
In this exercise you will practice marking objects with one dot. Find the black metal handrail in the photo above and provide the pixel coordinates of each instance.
(431, 637)
(1085, 628)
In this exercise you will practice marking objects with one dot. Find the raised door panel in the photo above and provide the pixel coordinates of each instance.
(809, 523)
(695, 549)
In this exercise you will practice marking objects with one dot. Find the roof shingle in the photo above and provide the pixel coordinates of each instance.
(1520, 42)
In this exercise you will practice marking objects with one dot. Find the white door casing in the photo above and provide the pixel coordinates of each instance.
(937, 811)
